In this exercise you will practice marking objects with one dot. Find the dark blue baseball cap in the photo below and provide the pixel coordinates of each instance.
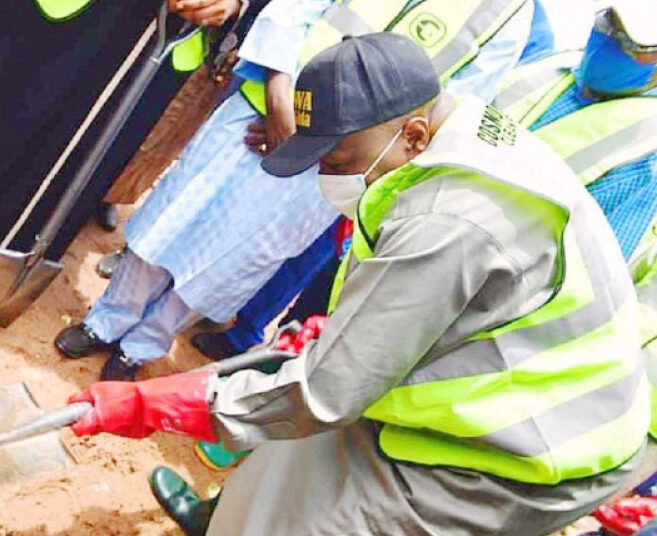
(359, 83)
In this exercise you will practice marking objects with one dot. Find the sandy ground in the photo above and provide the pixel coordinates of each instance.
(106, 492)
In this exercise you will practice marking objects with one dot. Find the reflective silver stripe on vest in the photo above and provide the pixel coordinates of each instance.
(511, 349)
(616, 143)
(478, 23)
(526, 86)
(552, 68)
(346, 21)
(548, 430)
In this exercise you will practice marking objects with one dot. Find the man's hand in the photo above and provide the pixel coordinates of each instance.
(256, 137)
(177, 404)
(265, 135)
(205, 12)
(311, 329)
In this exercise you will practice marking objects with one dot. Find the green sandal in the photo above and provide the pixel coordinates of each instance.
(215, 456)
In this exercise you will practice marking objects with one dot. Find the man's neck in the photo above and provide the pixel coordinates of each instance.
(441, 111)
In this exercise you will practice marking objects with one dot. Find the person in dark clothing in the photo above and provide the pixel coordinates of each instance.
(53, 72)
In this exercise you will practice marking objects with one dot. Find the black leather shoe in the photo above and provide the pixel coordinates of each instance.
(119, 368)
(213, 345)
(108, 263)
(79, 341)
(181, 502)
(107, 216)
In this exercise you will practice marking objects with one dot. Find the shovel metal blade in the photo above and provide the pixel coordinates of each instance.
(28, 457)
(21, 284)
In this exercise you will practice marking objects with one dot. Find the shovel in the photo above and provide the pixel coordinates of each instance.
(24, 276)
(66, 415)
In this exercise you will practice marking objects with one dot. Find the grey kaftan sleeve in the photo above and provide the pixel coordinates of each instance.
(426, 270)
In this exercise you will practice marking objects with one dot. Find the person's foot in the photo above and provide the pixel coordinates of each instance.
(108, 263)
(181, 502)
(107, 216)
(79, 341)
(119, 367)
(215, 456)
(213, 345)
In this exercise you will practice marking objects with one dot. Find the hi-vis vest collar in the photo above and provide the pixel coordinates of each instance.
(478, 137)
(450, 32)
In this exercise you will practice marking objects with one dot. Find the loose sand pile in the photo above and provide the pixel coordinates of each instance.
(106, 493)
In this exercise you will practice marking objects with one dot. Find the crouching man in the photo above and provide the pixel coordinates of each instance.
(480, 373)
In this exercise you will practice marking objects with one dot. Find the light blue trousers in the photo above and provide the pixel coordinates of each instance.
(141, 310)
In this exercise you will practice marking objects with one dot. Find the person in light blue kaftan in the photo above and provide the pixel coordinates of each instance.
(218, 227)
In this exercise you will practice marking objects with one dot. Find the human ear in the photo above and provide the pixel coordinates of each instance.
(417, 135)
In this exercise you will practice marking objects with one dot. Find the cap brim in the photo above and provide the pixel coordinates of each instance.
(298, 154)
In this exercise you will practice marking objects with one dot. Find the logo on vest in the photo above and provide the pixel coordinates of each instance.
(496, 127)
(303, 107)
(427, 30)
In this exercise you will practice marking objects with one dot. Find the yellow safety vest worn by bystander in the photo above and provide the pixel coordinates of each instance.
(450, 32)
(568, 397)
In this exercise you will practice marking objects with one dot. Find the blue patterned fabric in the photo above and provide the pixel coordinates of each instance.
(628, 194)
(628, 197)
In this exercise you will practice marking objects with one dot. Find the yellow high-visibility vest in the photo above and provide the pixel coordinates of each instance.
(568, 397)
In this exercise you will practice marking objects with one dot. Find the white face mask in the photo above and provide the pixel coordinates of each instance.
(343, 192)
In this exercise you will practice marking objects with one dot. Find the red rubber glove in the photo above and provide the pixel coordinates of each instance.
(628, 515)
(294, 342)
(178, 404)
